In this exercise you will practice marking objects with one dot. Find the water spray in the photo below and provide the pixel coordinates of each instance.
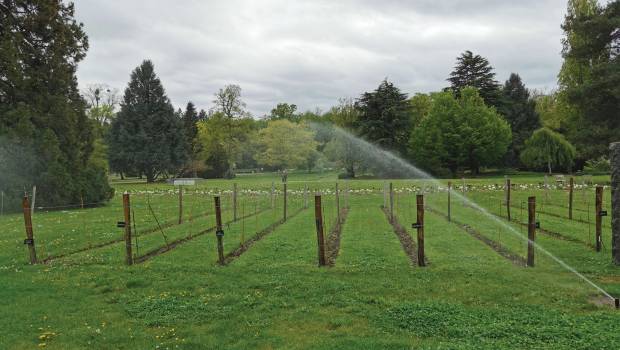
(384, 156)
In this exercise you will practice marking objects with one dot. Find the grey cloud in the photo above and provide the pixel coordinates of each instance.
(313, 52)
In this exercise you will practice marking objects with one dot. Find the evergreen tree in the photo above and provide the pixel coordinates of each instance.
(41, 111)
(475, 71)
(146, 136)
(384, 117)
(190, 120)
(519, 110)
(590, 76)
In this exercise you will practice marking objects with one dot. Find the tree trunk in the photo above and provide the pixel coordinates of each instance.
(549, 166)
(122, 175)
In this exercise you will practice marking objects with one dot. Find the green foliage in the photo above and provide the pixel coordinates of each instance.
(284, 111)
(224, 141)
(600, 165)
(284, 145)
(546, 148)
(519, 110)
(384, 117)
(190, 119)
(475, 71)
(146, 137)
(460, 132)
(590, 75)
(41, 110)
(421, 105)
(508, 327)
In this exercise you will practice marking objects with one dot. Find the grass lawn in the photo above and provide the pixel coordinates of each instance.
(274, 296)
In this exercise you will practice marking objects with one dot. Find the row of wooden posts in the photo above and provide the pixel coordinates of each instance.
(419, 225)
(532, 223)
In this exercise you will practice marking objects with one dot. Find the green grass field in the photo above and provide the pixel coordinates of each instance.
(275, 296)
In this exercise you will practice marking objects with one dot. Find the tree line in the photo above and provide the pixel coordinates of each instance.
(65, 141)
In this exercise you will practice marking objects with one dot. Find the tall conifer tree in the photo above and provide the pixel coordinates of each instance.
(146, 136)
(44, 129)
(475, 71)
(519, 110)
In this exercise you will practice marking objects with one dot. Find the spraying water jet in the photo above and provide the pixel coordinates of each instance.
(388, 159)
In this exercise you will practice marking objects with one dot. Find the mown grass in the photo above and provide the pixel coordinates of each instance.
(275, 295)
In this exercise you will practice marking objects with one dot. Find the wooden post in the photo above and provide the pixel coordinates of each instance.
(571, 184)
(29, 233)
(508, 199)
(285, 203)
(337, 203)
(599, 217)
(127, 218)
(614, 158)
(391, 193)
(420, 227)
(234, 199)
(449, 200)
(219, 231)
(531, 229)
(180, 205)
(318, 216)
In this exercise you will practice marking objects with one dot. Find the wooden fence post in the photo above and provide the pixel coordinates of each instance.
(420, 227)
(508, 187)
(29, 233)
(571, 184)
(180, 205)
(127, 218)
(318, 217)
(599, 216)
(449, 200)
(234, 201)
(614, 157)
(219, 231)
(531, 229)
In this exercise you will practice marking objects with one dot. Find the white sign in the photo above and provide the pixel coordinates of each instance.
(184, 182)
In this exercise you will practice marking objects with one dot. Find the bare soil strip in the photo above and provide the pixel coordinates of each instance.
(333, 241)
(405, 239)
(177, 242)
(497, 247)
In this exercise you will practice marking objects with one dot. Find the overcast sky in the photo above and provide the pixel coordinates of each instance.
(311, 53)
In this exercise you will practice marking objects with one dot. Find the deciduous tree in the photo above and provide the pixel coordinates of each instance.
(548, 149)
